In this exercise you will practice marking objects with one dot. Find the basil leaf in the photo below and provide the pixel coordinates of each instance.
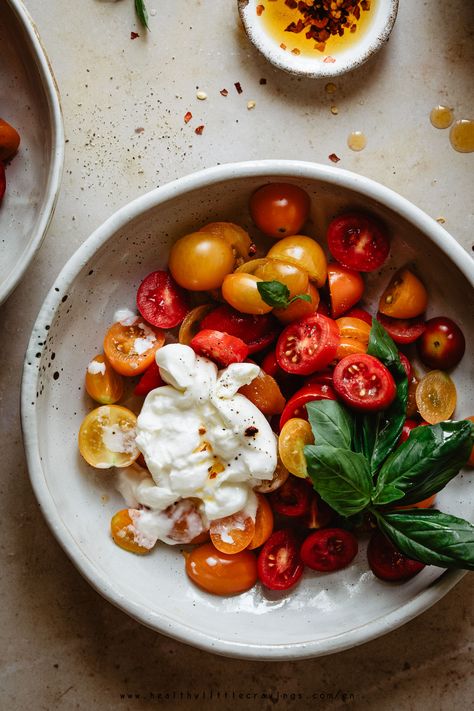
(300, 297)
(276, 294)
(430, 536)
(425, 463)
(142, 14)
(341, 477)
(331, 422)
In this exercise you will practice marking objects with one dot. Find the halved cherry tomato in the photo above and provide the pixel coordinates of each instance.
(188, 525)
(200, 261)
(358, 242)
(103, 384)
(232, 534)
(265, 394)
(9, 141)
(442, 344)
(309, 345)
(304, 253)
(3, 181)
(329, 549)
(387, 563)
(161, 301)
(408, 426)
(324, 377)
(280, 475)
(319, 514)
(240, 291)
(405, 296)
(294, 435)
(279, 564)
(345, 288)
(295, 407)
(364, 383)
(220, 573)
(402, 331)
(436, 397)
(470, 461)
(107, 437)
(354, 336)
(126, 535)
(192, 323)
(150, 380)
(233, 234)
(279, 209)
(130, 349)
(300, 308)
(256, 331)
(362, 314)
(406, 364)
(220, 347)
(263, 523)
(293, 498)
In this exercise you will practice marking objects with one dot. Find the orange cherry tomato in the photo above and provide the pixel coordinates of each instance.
(263, 523)
(425, 504)
(265, 394)
(107, 437)
(412, 407)
(345, 288)
(279, 209)
(131, 349)
(404, 297)
(200, 261)
(436, 397)
(233, 234)
(219, 573)
(299, 309)
(305, 253)
(9, 140)
(240, 291)
(125, 534)
(233, 533)
(470, 461)
(280, 475)
(295, 279)
(192, 323)
(294, 435)
(354, 336)
(103, 384)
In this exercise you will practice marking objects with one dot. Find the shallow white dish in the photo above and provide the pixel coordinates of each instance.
(321, 64)
(325, 613)
(29, 101)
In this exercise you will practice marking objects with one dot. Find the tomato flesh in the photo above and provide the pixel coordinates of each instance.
(161, 301)
(292, 498)
(293, 437)
(329, 549)
(402, 331)
(295, 407)
(150, 380)
(307, 346)
(358, 242)
(279, 564)
(257, 332)
(221, 573)
(364, 383)
(220, 347)
(387, 563)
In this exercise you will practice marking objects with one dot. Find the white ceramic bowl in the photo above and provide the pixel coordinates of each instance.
(29, 101)
(321, 64)
(325, 613)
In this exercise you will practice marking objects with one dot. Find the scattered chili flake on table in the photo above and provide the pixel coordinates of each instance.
(187, 116)
(134, 35)
(334, 158)
(223, 92)
(260, 9)
(329, 60)
(322, 18)
(199, 130)
(238, 87)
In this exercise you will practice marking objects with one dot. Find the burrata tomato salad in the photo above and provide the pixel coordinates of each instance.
(279, 419)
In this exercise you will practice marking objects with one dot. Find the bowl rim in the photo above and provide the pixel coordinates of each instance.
(323, 71)
(56, 162)
(267, 169)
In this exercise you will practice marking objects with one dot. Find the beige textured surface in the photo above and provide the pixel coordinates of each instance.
(62, 646)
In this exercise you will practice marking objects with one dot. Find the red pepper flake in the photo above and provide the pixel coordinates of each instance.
(199, 130)
(329, 60)
(223, 92)
(260, 9)
(283, 46)
(334, 158)
(238, 87)
(262, 81)
(139, 130)
(295, 51)
(320, 19)
(251, 431)
(134, 35)
(187, 116)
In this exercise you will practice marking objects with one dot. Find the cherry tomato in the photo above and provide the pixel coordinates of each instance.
(300, 308)
(319, 514)
(130, 349)
(304, 253)
(425, 504)
(280, 475)
(279, 563)
(256, 331)
(188, 525)
(263, 523)
(192, 323)
(442, 343)
(329, 549)
(324, 377)
(3, 181)
(220, 347)
(295, 407)
(309, 345)
(107, 437)
(234, 235)
(295, 279)
(240, 291)
(294, 435)
(405, 297)
(150, 380)
(220, 573)
(279, 209)
(364, 383)
(402, 331)
(323, 309)
(408, 426)
(265, 394)
(470, 461)
(161, 301)
(125, 534)
(359, 313)
(406, 364)
(9, 141)
(345, 288)
(292, 498)
(232, 534)
(412, 408)
(436, 397)
(103, 384)
(354, 336)
(200, 261)
(387, 563)
(358, 242)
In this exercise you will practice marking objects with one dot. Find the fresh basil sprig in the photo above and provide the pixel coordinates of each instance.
(333, 423)
(142, 14)
(276, 294)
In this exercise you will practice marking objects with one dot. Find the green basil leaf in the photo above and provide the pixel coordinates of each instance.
(300, 297)
(382, 347)
(331, 422)
(425, 463)
(142, 14)
(341, 477)
(430, 536)
(274, 293)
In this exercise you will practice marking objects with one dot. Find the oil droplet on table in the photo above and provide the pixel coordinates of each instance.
(461, 136)
(356, 141)
(441, 116)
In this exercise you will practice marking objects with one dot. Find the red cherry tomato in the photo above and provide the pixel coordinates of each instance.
(256, 331)
(329, 549)
(442, 344)
(161, 301)
(150, 380)
(402, 331)
(358, 242)
(364, 383)
(270, 365)
(406, 364)
(295, 407)
(3, 181)
(319, 515)
(345, 288)
(308, 345)
(408, 426)
(220, 347)
(325, 377)
(357, 312)
(293, 498)
(279, 209)
(323, 309)
(387, 563)
(279, 565)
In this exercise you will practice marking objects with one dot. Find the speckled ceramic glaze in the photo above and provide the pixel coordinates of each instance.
(326, 612)
(29, 101)
(322, 64)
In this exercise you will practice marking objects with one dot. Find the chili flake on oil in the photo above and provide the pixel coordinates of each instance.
(322, 18)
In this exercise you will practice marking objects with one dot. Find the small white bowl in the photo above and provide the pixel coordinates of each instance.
(322, 64)
(324, 613)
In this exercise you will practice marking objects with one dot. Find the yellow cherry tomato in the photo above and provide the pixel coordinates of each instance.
(404, 297)
(305, 253)
(131, 348)
(354, 335)
(436, 397)
(299, 309)
(294, 435)
(233, 234)
(103, 383)
(295, 279)
(107, 437)
(200, 261)
(265, 394)
(192, 323)
(125, 534)
(240, 291)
